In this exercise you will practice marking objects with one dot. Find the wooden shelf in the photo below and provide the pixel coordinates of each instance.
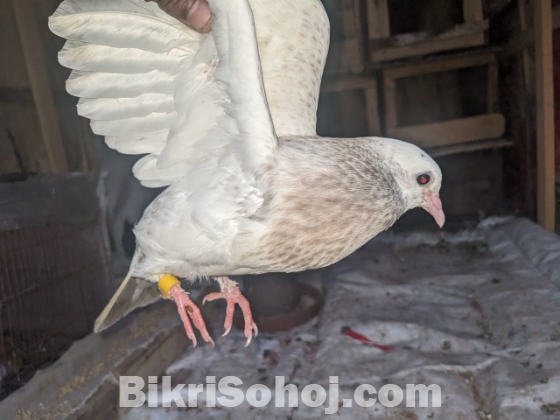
(436, 103)
(458, 131)
(346, 52)
(350, 102)
(469, 147)
(416, 38)
(344, 83)
(464, 36)
(544, 92)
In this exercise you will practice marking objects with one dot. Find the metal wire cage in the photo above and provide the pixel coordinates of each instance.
(54, 270)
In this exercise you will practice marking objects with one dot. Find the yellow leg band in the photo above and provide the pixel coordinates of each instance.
(165, 284)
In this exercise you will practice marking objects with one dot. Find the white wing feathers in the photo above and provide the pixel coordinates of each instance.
(152, 86)
(120, 24)
(240, 70)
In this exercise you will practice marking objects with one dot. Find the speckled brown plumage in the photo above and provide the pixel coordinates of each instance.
(327, 198)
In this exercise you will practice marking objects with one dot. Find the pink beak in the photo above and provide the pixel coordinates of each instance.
(434, 207)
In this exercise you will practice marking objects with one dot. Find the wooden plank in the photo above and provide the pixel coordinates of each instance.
(391, 76)
(149, 361)
(342, 114)
(144, 362)
(433, 97)
(556, 17)
(343, 83)
(84, 383)
(379, 26)
(494, 7)
(19, 121)
(461, 183)
(472, 10)
(12, 59)
(390, 91)
(469, 147)
(446, 64)
(528, 69)
(372, 111)
(345, 56)
(348, 19)
(492, 87)
(37, 70)
(545, 114)
(436, 44)
(77, 140)
(457, 131)
(459, 169)
(18, 118)
(459, 202)
(520, 41)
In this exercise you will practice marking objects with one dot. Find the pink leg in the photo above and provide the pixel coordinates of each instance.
(232, 295)
(187, 308)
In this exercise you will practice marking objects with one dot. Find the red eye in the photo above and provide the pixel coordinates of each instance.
(423, 179)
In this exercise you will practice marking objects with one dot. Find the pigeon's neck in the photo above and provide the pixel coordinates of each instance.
(391, 157)
(395, 168)
(327, 198)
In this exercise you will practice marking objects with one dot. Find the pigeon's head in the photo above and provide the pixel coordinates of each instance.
(418, 176)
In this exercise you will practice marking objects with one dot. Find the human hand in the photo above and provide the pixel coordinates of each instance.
(195, 14)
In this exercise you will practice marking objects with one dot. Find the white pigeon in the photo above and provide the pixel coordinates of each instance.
(227, 122)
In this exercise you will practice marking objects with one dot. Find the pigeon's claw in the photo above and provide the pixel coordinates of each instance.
(187, 309)
(231, 293)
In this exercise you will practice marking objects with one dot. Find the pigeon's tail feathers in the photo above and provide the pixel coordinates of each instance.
(133, 293)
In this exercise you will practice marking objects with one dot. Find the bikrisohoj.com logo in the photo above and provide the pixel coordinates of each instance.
(230, 392)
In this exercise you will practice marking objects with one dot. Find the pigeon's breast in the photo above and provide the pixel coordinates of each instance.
(323, 204)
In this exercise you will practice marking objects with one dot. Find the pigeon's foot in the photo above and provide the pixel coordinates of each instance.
(171, 288)
(231, 293)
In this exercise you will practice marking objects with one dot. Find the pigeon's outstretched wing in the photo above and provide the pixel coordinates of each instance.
(195, 105)
(152, 86)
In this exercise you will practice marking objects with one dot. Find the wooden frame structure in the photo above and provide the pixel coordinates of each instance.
(369, 85)
(546, 192)
(384, 46)
(490, 125)
(36, 65)
(40, 130)
(347, 55)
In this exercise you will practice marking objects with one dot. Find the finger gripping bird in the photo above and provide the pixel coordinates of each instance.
(227, 123)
